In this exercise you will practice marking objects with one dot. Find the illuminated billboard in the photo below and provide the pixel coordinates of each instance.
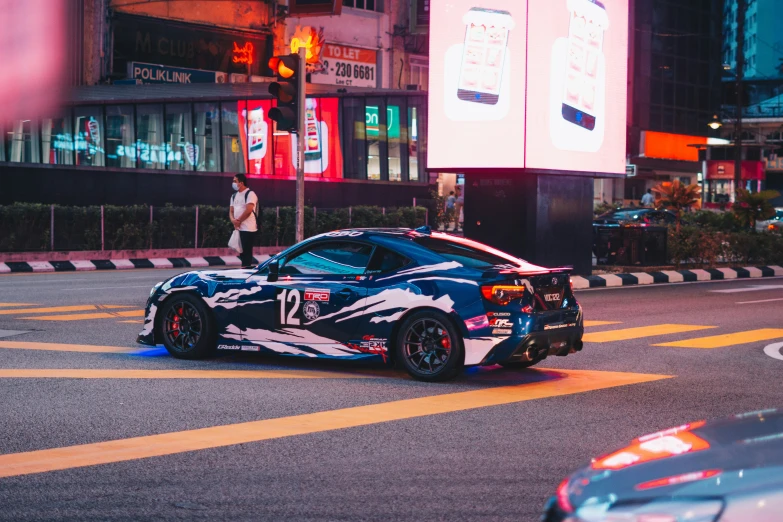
(537, 84)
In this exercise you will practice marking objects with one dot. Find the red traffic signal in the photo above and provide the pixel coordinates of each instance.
(288, 69)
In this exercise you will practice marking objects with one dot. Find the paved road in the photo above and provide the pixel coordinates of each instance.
(299, 440)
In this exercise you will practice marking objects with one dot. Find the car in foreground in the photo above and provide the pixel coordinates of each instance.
(635, 216)
(428, 301)
(727, 470)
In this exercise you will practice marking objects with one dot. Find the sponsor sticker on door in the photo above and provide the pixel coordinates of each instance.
(317, 295)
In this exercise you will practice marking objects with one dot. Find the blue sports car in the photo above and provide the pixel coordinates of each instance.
(427, 301)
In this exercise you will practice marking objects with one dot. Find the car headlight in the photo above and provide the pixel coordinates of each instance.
(155, 288)
(696, 510)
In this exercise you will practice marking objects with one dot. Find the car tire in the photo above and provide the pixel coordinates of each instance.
(429, 347)
(187, 328)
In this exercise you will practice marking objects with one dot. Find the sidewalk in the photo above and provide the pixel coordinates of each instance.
(675, 276)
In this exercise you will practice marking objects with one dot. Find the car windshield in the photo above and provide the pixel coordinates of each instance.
(470, 253)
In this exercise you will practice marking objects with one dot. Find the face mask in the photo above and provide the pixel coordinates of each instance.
(235, 186)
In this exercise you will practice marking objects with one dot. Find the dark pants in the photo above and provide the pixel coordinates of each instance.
(247, 239)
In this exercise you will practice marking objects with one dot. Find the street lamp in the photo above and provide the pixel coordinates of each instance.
(715, 123)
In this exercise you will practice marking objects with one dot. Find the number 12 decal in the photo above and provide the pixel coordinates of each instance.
(289, 296)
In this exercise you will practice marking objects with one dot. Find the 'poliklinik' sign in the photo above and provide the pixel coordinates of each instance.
(152, 73)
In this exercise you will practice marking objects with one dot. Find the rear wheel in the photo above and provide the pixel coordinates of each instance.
(187, 328)
(429, 347)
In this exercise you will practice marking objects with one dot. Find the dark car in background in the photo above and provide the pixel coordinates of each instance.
(649, 216)
(718, 471)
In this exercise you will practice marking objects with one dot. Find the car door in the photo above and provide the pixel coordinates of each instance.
(315, 302)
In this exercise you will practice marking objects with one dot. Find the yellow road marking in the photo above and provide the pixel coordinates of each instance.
(27, 373)
(16, 304)
(601, 323)
(720, 341)
(84, 317)
(74, 308)
(56, 347)
(133, 321)
(561, 382)
(641, 331)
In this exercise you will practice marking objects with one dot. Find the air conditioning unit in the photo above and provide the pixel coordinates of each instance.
(412, 87)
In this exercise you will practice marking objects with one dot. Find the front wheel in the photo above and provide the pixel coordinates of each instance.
(187, 328)
(429, 347)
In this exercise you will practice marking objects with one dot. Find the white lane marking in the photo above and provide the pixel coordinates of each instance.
(754, 288)
(773, 350)
(761, 301)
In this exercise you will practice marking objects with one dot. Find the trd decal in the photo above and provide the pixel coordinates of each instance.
(317, 295)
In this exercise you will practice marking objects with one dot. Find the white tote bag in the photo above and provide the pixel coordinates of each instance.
(235, 243)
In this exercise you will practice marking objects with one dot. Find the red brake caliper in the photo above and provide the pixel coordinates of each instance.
(176, 322)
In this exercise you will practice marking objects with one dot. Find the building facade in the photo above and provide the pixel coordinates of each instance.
(172, 101)
(763, 40)
(674, 77)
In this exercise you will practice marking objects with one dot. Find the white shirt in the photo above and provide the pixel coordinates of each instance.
(648, 199)
(239, 206)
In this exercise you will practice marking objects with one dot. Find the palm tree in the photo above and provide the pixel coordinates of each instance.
(678, 197)
(754, 206)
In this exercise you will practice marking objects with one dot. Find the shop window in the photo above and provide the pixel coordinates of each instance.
(57, 141)
(120, 137)
(206, 133)
(88, 133)
(414, 171)
(397, 139)
(233, 154)
(353, 118)
(22, 142)
(377, 148)
(150, 142)
(181, 152)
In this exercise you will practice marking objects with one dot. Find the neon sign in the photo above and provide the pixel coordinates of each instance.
(243, 54)
(311, 40)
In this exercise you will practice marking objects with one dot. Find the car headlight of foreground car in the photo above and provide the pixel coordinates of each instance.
(684, 510)
(155, 288)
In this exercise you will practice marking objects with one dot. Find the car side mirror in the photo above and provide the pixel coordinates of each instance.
(274, 271)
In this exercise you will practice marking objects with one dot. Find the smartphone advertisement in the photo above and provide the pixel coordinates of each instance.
(537, 84)
(255, 131)
(477, 83)
(322, 151)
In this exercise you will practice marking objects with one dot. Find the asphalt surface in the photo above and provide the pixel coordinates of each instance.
(496, 458)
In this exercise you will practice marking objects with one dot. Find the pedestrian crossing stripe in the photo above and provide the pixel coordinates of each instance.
(731, 339)
(83, 317)
(57, 309)
(638, 332)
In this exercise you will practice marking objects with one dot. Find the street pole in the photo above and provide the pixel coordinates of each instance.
(738, 74)
(300, 145)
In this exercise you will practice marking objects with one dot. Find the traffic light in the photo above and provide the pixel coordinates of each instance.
(286, 92)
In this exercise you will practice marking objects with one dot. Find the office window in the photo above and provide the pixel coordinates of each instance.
(120, 137)
(150, 142)
(368, 5)
(181, 152)
(22, 142)
(233, 154)
(206, 133)
(353, 118)
(57, 141)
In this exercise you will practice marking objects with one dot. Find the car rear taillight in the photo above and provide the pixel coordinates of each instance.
(502, 294)
(563, 501)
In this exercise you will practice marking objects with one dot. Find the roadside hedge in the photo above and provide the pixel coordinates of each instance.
(699, 246)
(25, 227)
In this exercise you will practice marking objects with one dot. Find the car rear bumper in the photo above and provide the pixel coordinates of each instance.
(560, 342)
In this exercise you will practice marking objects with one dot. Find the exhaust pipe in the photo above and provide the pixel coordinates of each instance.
(531, 353)
(577, 347)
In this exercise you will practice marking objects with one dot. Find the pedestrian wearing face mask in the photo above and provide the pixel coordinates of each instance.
(243, 214)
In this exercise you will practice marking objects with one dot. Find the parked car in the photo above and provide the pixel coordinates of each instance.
(431, 302)
(774, 223)
(726, 470)
(650, 216)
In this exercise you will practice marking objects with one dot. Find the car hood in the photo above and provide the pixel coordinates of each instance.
(709, 459)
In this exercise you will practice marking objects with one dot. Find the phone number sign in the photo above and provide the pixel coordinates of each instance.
(349, 66)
